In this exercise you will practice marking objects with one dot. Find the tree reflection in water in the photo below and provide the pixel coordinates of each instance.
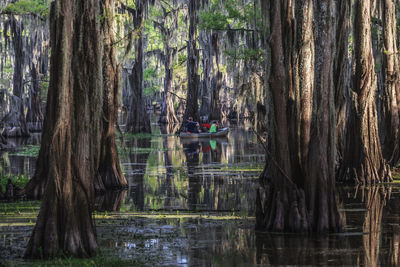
(110, 201)
(138, 169)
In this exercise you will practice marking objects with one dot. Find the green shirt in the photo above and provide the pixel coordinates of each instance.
(213, 128)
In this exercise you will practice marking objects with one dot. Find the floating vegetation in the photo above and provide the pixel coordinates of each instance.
(28, 151)
(18, 180)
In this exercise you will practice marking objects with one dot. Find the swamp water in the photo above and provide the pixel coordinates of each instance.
(192, 203)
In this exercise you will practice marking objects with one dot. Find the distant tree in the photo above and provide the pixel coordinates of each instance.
(192, 98)
(168, 33)
(138, 119)
(15, 122)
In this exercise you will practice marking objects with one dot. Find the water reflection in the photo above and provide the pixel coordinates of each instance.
(168, 173)
(219, 177)
(135, 171)
(110, 200)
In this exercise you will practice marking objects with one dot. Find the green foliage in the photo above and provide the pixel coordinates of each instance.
(149, 74)
(37, 7)
(232, 14)
(29, 151)
(149, 91)
(19, 180)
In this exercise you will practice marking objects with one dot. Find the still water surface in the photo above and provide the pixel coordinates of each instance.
(192, 203)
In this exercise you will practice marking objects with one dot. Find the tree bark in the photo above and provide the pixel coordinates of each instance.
(192, 109)
(295, 195)
(319, 181)
(167, 115)
(38, 55)
(109, 168)
(342, 74)
(72, 133)
(15, 123)
(34, 117)
(391, 80)
(363, 160)
(280, 203)
(138, 119)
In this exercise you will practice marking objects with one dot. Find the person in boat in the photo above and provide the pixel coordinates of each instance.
(205, 127)
(192, 126)
(214, 127)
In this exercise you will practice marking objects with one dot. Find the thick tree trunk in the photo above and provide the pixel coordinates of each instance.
(342, 73)
(138, 119)
(110, 169)
(14, 122)
(216, 83)
(294, 194)
(319, 181)
(207, 64)
(363, 160)
(192, 109)
(39, 61)
(280, 203)
(72, 133)
(34, 117)
(167, 115)
(391, 116)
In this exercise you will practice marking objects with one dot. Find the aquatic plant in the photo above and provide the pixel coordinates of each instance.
(19, 180)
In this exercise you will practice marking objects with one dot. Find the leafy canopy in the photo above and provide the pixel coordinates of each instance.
(24, 7)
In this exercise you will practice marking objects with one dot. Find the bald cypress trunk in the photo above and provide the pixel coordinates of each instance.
(138, 119)
(109, 168)
(168, 31)
(167, 115)
(280, 202)
(39, 61)
(109, 173)
(297, 190)
(14, 121)
(319, 181)
(72, 133)
(342, 73)
(216, 83)
(363, 160)
(391, 80)
(192, 109)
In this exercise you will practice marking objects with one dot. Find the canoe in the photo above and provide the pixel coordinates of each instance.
(220, 133)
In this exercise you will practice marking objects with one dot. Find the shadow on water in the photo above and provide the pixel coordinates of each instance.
(192, 203)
